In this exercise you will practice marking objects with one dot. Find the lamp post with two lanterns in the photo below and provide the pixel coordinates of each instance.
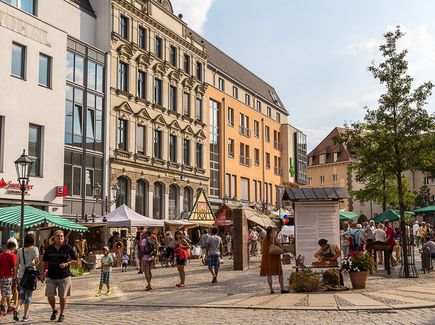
(108, 202)
(24, 167)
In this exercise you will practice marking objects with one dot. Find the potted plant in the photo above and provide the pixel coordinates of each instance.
(305, 280)
(358, 265)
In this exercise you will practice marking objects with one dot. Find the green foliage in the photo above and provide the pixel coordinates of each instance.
(423, 197)
(358, 262)
(75, 271)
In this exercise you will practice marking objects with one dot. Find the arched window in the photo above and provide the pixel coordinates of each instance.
(123, 192)
(141, 197)
(158, 202)
(174, 201)
(187, 199)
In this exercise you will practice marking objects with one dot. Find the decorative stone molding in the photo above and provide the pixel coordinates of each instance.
(174, 165)
(188, 130)
(143, 61)
(125, 52)
(119, 153)
(187, 83)
(115, 37)
(174, 77)
(187, 168)
(159, 70)
(175, 126)
(160, 120)
(157, 161)
(201, 89)
(124, 110)
(201, 135)
(200, 170)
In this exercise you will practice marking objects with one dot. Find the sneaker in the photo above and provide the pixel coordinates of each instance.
(98, 294)
(108, 293)
(16, 317)
(53, 315)
(26, 319)
(61, 319)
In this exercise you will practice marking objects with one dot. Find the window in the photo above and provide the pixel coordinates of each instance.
(322, 180)
(267, 133)
(158, 201)
(247, 99)
(278, 117)
(335, 156)
(244, 125)
(257, 156)
(44, 70)
(35, 148)
(159, 47)
(75, 67)
(174, 205)
(199, 163)
(258, 106)
(89, 182)
(235, 92)
(231, 147)
(140, 139)
(95, 76)
(186, 63)
(173, 148)
(256, 198)
(199, 70)
(256, 129)
(244, 189)
(227, 185)
(123, 27)
(25, 5)
(122, 134)
(73, 116)
(269, 112)
(310, 160)
(244, 155)
(157, 141)
(18, 65)
(234, 185)
(426, 180)
(90, 121)
(141, 84)
(230, 116)
(267, 160)
(186, 152)
(141, 38)
(334, 179)
(173, 55)
(123, 76)
(158, 92)
(215, 152)
(187, 199)
(221, 84)
(173, 98)
(322, 159)
(77, 181)
(198, 107)
(186, 104)
(141, 197)
(310, 181)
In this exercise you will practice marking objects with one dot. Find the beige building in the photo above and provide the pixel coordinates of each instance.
(158, 121)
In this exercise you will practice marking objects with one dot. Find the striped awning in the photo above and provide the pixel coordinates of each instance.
(11, 217)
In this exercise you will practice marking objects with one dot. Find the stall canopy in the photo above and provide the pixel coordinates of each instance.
(391, 215)
(126, 217)
(181, 223)
(11, 217)
(428, 209)
(258, 218)
(348, 216)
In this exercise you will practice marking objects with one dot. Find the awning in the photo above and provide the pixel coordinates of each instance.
(11, 217)
(258, 218)
(428, 209)
(391, 215)
(347, 216)
(126, 217)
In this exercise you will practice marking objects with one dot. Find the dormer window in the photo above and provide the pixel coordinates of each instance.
(335, 156)
(322, 159)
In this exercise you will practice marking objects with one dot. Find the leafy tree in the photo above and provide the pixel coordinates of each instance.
(423, 196)
(398, 135)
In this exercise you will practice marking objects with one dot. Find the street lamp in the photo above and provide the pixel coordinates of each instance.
(24, 167)
(114, 192)
(225, 199)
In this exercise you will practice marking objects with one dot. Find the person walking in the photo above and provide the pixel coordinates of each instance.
(149, 250)
(380, 237)
(203, 245)
(344, 241)
(271, 264)
(106, 271)
(390, 240)
(59, 257)
(214, 251)
(229, 244)
(27, 258)
(8, 262)
(182, 254)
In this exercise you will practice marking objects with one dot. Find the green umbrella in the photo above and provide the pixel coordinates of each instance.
(391, 215)
(428, 209)
(348, 216)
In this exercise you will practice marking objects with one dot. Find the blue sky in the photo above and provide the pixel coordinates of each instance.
(316, 52)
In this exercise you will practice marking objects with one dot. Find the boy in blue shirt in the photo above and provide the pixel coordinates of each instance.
(106, 271)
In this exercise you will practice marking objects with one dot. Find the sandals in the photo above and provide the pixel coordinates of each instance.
(179, 285)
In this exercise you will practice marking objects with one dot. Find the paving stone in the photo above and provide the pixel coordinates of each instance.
(358, 299)
(321, 300)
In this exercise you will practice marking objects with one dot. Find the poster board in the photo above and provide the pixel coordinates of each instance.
(313, 221)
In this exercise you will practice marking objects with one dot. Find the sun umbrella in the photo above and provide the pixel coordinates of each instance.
(391, 215)
(348, 216)
(428, 209)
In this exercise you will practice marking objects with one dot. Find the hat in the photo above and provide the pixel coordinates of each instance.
(105, 248)
(168, 233)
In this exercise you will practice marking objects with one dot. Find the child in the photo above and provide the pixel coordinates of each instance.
(8, 261)
(106, 270)
(124, 261)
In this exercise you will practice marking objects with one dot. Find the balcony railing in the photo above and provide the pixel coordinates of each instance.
(245, 161)
(245, 131)
(277, 145)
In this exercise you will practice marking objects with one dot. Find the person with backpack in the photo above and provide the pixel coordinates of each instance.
(149, 250)
(182, 252)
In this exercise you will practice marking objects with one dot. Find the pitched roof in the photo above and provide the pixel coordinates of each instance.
(239, 73)
(315, 194)
(85, 6)
(328, 147)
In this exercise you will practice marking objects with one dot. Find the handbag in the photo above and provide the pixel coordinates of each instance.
(30, 277)
(275, 250)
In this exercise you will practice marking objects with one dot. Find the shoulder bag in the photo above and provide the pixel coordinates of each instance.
(275, 249)
(30, 276)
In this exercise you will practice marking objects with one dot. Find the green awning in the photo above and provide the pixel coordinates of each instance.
(348, 216)
(11, 217)
(428, 209)
(391, 215)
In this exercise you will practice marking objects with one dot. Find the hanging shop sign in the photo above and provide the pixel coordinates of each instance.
(14, 188)
(61, 191)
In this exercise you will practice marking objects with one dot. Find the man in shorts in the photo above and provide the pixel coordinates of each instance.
(214, 251)
(59, 257)
(8, 261)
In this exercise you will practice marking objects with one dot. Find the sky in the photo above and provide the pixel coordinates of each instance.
(316, 52)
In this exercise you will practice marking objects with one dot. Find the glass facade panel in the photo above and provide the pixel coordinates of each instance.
(18, 60)
(214, 149)
(35, 148)
(44, 70)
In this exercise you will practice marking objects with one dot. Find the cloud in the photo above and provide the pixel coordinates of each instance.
(195, 12)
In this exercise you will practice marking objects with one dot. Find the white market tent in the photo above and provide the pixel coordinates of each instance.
(126, 217)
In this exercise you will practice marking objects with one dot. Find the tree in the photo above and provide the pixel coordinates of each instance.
(423, 196)
(398, 135)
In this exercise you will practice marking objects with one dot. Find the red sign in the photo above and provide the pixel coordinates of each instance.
(14, 188)
(61, 191)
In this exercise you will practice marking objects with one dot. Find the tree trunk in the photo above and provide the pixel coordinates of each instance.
(404, 236)
(384, 191)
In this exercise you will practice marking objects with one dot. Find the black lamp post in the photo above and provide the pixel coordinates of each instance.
(114, 192)
(24, 167)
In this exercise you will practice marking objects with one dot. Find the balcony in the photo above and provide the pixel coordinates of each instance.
(245, 131)
(277, 171)
(245, 161)
(277, 145)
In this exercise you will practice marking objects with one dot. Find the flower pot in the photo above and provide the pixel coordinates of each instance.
(358, 279)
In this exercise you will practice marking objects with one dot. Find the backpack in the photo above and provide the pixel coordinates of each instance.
(150, 248)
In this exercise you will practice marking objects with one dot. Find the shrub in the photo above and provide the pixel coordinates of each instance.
(357, 262)
(305, 280)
